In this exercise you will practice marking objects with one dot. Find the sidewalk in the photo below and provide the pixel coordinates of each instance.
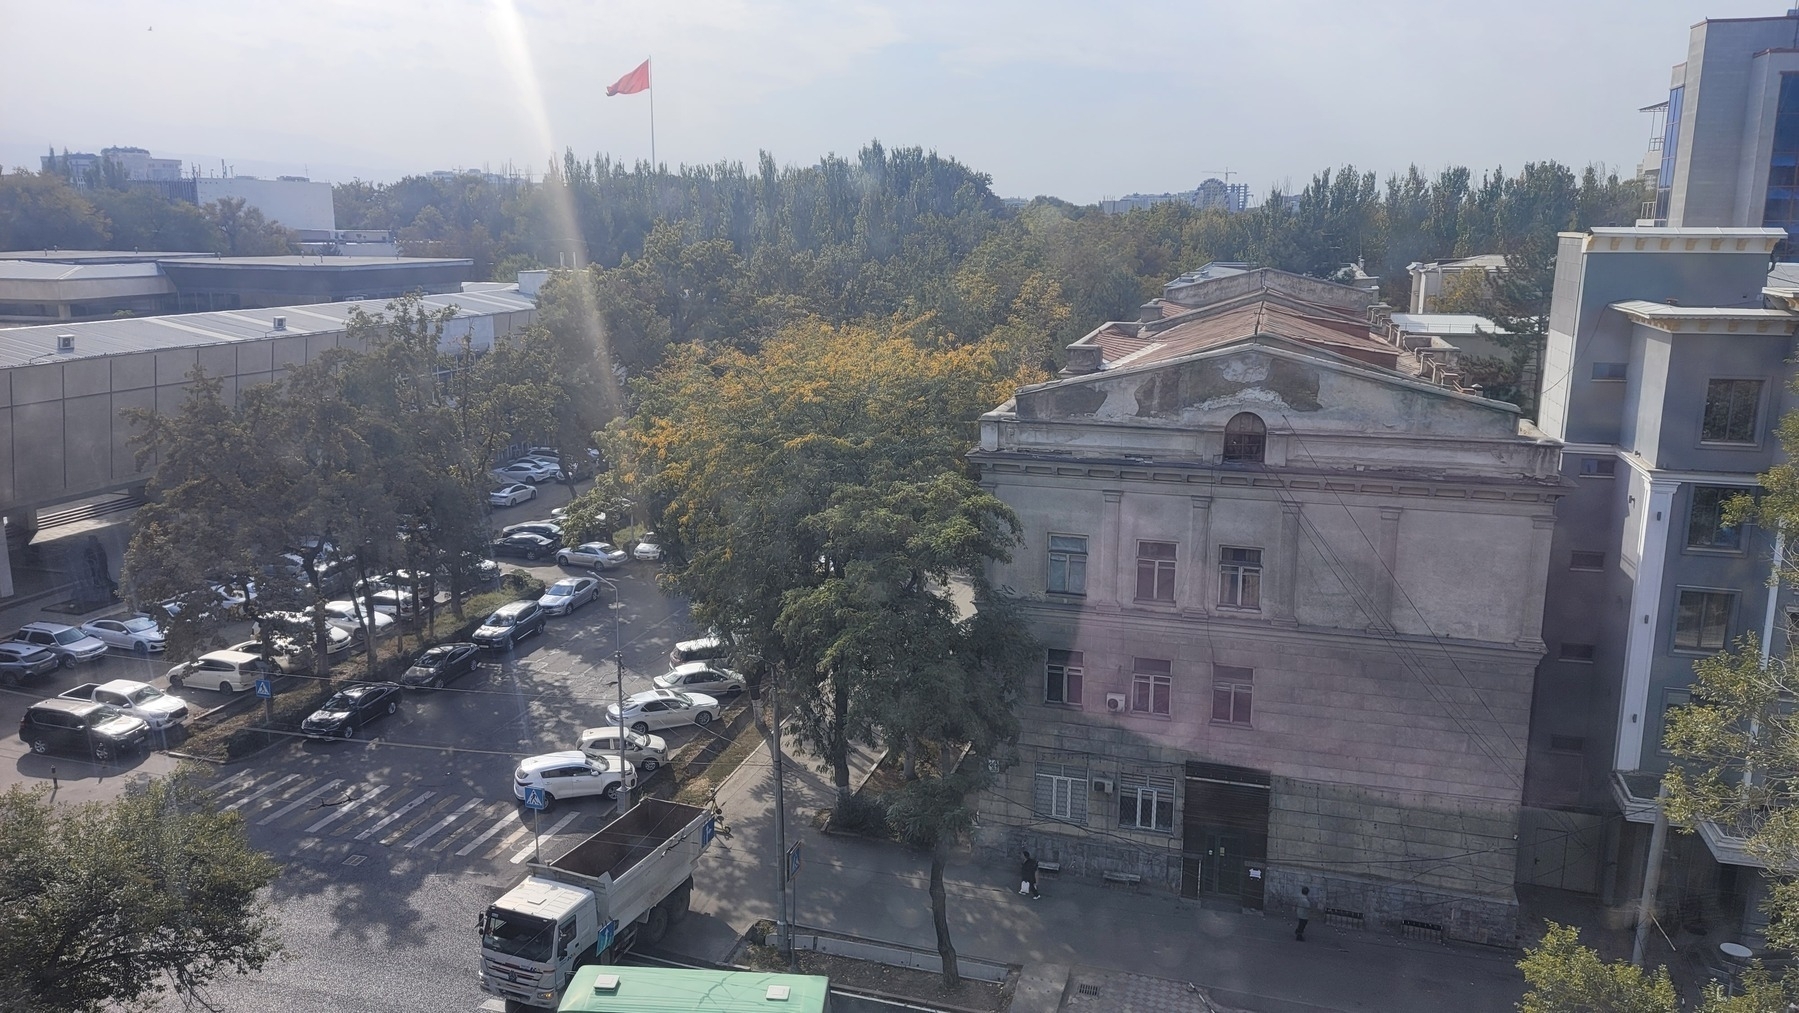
(1079, 931)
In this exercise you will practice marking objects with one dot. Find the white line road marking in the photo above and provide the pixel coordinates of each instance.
(525, 853)
(297, 803)
(344, 810)
(396, 814)
(253, 796)
(229, 785)
(440, 824)
(499, 825)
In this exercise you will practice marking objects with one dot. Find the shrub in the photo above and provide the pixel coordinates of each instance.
(860, 815)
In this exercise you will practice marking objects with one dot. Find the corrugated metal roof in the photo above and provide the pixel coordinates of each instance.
(1445, 323)
(47, 270)
(20, 346)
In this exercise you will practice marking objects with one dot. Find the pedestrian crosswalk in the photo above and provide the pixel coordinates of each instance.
(411, 820)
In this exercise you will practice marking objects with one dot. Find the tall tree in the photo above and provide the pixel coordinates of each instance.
(109, 905)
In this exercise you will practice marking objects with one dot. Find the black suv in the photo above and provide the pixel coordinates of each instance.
(82, 726)
(510, 624)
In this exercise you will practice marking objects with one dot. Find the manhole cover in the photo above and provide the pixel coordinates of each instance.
(355, 859)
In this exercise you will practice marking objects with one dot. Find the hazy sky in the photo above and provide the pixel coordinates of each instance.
(1076, 99)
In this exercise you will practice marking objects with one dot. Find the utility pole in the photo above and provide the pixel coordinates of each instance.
(618, 669)
(1652, 875)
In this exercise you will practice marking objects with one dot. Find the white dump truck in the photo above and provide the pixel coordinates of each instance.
(623, 886)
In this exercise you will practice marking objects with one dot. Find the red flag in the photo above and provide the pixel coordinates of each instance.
(632, 83)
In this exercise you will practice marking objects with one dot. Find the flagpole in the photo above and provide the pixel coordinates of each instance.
(652, 91)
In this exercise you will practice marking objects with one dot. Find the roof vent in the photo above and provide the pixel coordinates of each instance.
(605, 984)
(281, 323)
(778, 993)
(65, 342)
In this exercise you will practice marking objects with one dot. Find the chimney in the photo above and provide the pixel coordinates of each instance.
(1083, 358)
(281, 323)
(1151, 310)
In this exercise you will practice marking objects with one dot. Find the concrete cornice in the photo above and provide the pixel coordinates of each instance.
(1708, 319)
(1678, 240)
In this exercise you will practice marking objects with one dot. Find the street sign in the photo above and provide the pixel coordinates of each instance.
(707, 832)
(265, 688)
(534, 799)
(607, 931)
(793, 860)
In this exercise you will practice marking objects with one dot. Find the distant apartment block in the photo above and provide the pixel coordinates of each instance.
(1728, 142)
(83, 168)
(294, 201)
(1213, 193)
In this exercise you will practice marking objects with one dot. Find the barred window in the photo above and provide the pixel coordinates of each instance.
(1061, 792)
(1146, 801)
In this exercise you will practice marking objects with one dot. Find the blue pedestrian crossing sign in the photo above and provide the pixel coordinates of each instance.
(607, 933)
(534, 799)
(265, 688)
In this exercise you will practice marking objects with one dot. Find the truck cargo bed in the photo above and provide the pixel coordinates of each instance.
(651, 827)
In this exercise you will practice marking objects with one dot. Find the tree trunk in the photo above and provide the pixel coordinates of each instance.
(952, 974)
(840, 746)
(910, 767)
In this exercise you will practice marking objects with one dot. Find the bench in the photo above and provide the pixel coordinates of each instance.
(1122, 878)
(1053, 868)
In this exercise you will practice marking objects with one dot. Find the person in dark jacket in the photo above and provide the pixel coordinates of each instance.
(1027, 873)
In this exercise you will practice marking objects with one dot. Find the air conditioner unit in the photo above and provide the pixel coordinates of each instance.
(1115, 702)
(1102, 785)
(65, 342)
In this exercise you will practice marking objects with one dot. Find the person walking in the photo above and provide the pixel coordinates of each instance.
(1304, 913)
(1027, 883)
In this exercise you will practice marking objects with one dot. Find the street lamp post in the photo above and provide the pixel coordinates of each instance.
(618, 671)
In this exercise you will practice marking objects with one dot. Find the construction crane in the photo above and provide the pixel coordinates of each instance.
(1226, 173)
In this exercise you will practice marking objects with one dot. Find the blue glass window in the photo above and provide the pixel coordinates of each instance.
(1664, 183)
(1781, 211)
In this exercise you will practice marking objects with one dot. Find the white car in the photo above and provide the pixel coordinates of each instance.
(346, 616)
(511, 495)
(142, 700)
(648, 548)
(399, 602)
(568, 594)
(229, 671)
(139, 634)
(645, 752)
(699, 677)
(291, 653)
(599, 555)
(571, 774)
(527, 471)
(663, 708)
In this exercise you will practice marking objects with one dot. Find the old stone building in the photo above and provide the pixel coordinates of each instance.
(1291, 598)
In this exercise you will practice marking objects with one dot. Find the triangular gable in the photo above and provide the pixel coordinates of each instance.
(1278, 379)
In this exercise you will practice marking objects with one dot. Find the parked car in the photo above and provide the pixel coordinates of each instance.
(598, 555)
(568, 594)
(703, 648)
(526, 545)
(648, 548)
(21, 662)
(226, 671)
(645, 752)
(138, 699)
(138, 634)
(70, 645)
(527, 471)
(398, 580)
(663, 708)
(571, 774)
(348, 616)
(84, 727)
(293, 653)
(509, 624)
(548, 529)
(351, 708)
(291, 633)
(401, 603)
(439, 665)
(511, 494)
(701, 677)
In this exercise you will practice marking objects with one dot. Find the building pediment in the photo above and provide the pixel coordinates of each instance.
(1274, 378)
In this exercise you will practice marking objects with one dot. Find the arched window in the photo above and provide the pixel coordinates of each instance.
(1245, 438)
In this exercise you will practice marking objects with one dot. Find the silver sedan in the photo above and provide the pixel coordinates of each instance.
(568, 594)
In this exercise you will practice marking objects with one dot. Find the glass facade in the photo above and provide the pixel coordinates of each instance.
(1664, 183)
(1782, 209)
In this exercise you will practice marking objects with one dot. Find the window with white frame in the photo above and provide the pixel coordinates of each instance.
(1152, 682)
(1062, 676)
(1146, 802)
(1232, 694)
(1155, 571)
(1067, 564)
(1061, 792)
(1239, 577)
